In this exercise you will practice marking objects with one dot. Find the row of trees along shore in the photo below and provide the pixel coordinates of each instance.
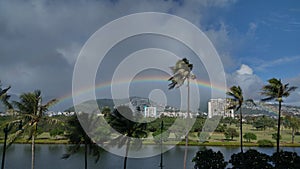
(29, 109)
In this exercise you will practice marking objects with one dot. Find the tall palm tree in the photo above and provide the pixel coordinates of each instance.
(77, 136)
(182, 71)
(4, 99)
(128, 128)
(31, 108)
(276, 90)
(235, 102)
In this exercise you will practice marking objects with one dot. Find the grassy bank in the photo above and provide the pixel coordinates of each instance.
(216, 139)
(191, 143)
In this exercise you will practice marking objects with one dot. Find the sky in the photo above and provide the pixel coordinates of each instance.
(40, 42)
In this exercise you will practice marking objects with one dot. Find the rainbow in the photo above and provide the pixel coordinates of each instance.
(148, 79)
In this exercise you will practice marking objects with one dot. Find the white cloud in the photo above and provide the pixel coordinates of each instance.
(252, 29)
(70, 53)
(294, 98)
(250, 83)
(282, 60)
(245, 70)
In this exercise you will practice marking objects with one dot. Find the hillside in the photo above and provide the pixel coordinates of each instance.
(135, 102)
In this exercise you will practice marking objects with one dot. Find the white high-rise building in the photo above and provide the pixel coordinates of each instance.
(150, 112)
(218, 107)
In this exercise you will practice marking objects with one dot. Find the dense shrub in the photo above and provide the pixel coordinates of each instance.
(208, 159)
(56, 132)
(250, 159)
(230, 133)
(221, 128)
(158, 137)
(265, 143)
(249, 136)
(286, 160)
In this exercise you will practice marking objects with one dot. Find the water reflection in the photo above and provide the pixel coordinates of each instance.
(49, 157)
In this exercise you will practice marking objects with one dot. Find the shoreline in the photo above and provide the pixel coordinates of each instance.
(191, 143)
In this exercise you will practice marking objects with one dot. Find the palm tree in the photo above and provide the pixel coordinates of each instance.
(77, 136)
(235, 102)
(4, 99)
(276, 90)
(181, 72)
(127, 127)
(31, 108)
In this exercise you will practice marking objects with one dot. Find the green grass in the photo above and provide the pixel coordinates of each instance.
(216, 139)
(261, 134)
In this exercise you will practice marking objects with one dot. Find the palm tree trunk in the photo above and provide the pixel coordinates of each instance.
(187, 132)
(278, 127)
(126, 153)
(4, 146)
(32, 151)
(85, 155)
(241, 129)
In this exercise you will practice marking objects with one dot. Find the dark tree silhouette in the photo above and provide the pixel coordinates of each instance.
(208, 159)
(128, 128)
(77, 136)
(250, 159)
(286, 160)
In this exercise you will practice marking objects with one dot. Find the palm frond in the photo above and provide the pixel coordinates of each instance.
(267, 99)
(11, 122)
(13, 137)
(276, 90)
(115, 141)
(4, 99)
(49, 104)
(140, 134)
(16, 135)
(181, 71)
(137, 144)
(251, 101)
(292, 88)
(71, 150)
(95, 150)
(3, 91)
(231, 107)
(29, 116)
(122, 141)
(238, 107)
(53, 121)
(231, 94)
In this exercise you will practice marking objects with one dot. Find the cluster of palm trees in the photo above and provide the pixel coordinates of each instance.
(29, 110)
(274, 90)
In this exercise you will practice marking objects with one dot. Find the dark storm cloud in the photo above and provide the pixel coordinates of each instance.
(40, 40)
